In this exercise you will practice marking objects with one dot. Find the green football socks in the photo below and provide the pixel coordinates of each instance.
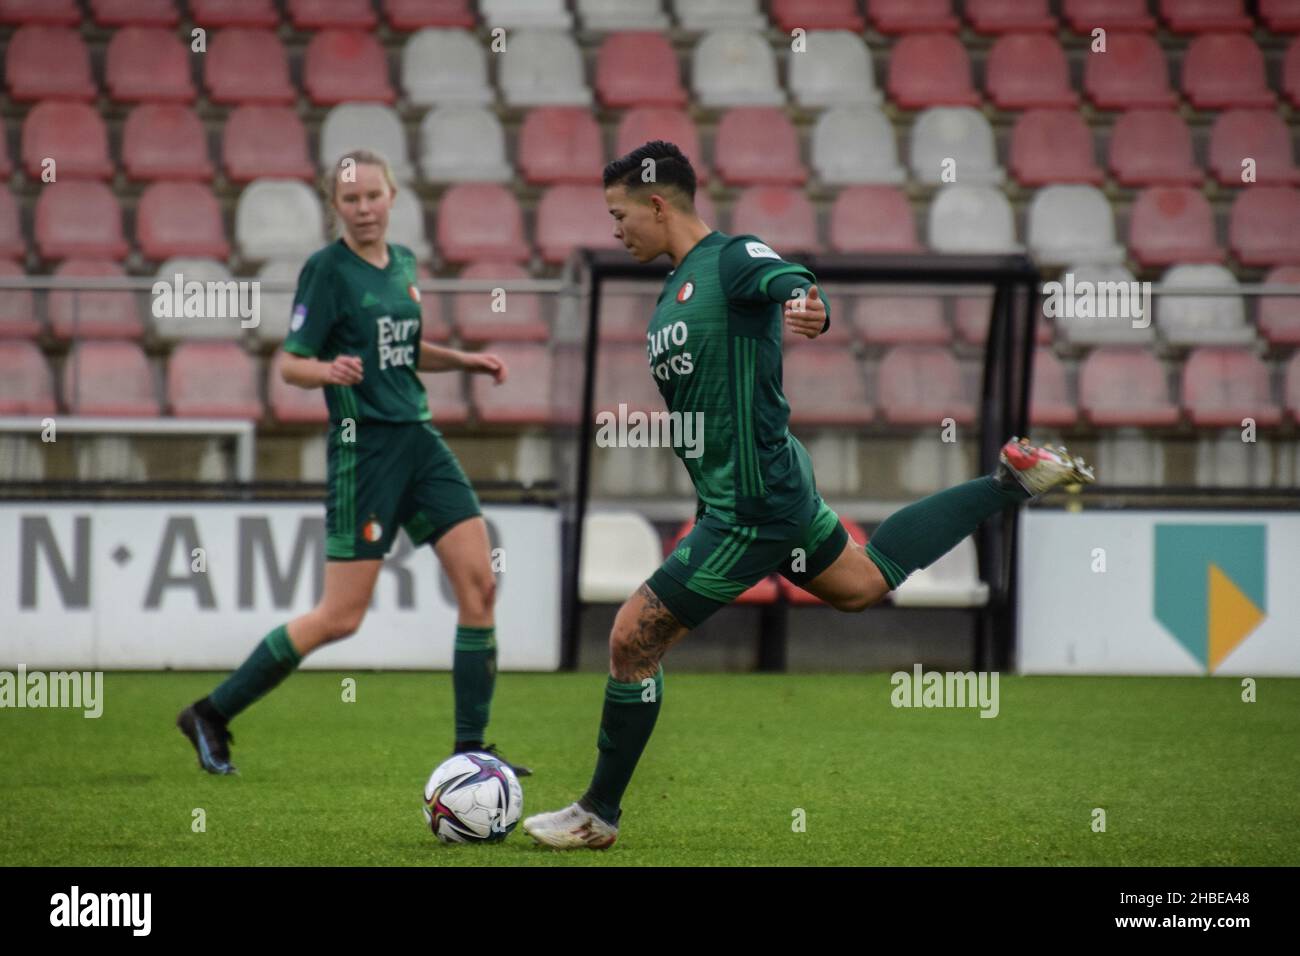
(626, 723)
(918, 535)
(473, 677)
(272, 661)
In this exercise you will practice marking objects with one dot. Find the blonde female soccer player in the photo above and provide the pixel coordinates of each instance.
(355, 332)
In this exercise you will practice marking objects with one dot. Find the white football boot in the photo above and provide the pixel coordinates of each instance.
(571, 829)
(1040, 469)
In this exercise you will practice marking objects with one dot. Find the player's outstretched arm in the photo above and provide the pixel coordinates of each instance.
(314, 373)
(435, 358)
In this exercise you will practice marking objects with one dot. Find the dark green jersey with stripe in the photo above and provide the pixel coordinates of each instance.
(714, 345)
(347, 306)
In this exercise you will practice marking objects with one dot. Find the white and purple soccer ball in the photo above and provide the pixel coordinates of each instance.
(473, 798)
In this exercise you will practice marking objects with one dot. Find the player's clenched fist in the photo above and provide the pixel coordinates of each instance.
(344, 370)
(806, 315)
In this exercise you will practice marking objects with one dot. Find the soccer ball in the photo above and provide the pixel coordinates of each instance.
(473, 798)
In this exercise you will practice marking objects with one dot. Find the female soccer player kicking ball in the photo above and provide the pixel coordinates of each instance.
(715, 348)
(355, 332)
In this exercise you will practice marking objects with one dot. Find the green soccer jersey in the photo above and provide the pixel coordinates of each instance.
(347, 306)
(714, 345)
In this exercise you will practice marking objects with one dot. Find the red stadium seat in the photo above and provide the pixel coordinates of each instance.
(212, 380)
(26, 385)
(79, 218)
(529, 401)
(922, 386)
(638, 69)
(1280, 16)
(1172, 224)
(289, 404)
(644, 123)
(519, 321)
(912, 16)
(12, 243)
(346, 66)
(17, 307)
(884, 319)
(234, 13)
(1131, 74)
(148, 63)
(141, 13)
(414, 14)
(766, 591)
(1050, 405)
(873, 219)
(1205, 16)
(324, 14)
(973, 313)
(1121, 387)
(1221, 70)
(560, 144)
(1262, 226)
(1291, 386)
(247, 66)
(623, 378)
(1291, 73)
(72, 135)
(50, 13)
(1009, 16)
(165, 141)
(180, 219)
(930, 70)
(265, 142)
(784, 217)
(1053, 146)
(817, 15)
(1279, 316)
(1153, 148)
(445, 393)
(573, 216)
(1084, 16)
(1025, 70)
(481, 221)
(93, 314)
(110, 379)
(1221, 386)
(1260, 135)
(805, 376)
(758, 145)
(432, 324)
(48, 63)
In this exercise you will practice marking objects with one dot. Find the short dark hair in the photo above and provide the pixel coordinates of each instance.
(671, 168)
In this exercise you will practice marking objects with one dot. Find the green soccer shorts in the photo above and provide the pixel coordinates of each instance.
(718, 561)
(391, 475)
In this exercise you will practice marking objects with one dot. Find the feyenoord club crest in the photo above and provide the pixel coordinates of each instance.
(373, 530)
(413, 292)
(686, 291)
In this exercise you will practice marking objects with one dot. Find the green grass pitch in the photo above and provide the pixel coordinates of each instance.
(1187, 773)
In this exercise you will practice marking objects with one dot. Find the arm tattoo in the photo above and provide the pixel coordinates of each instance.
(654, 631)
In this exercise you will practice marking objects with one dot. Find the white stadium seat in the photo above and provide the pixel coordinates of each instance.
(620, 549)
(463, 143)
(445, 66)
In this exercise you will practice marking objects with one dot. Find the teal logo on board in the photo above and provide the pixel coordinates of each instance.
(1210, 586)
